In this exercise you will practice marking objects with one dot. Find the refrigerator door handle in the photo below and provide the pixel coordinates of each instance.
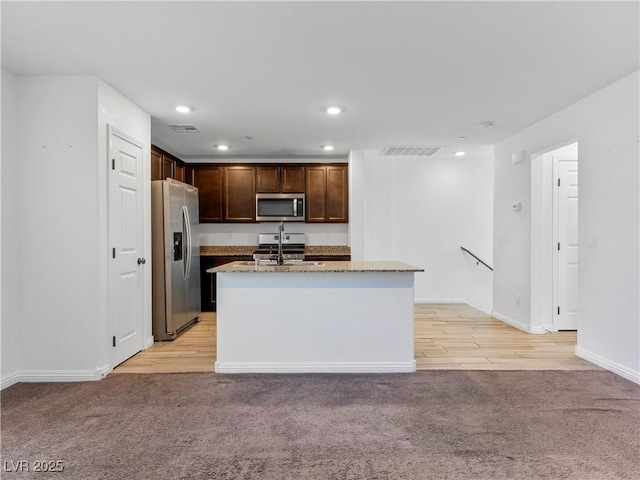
(187, 228)
(190, 255)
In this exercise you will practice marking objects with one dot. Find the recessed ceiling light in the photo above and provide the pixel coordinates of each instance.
(486, 124)
(222, 147)
(459, 154)
(462, 138)
(183, 109)
(327, 148)
(333, 110)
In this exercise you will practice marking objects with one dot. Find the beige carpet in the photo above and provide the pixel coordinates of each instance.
(428, 425)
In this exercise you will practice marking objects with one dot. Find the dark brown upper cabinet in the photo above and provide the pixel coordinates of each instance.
(179, 172)
(188, 174)
(239, 194)
(208, 180)
(156, 165)
(228, 192)
(280, 179)
(327, 193)
(168, 166)
(268, 179)
(164, 165)
(293, 180)
(338, 193)
(316, 194)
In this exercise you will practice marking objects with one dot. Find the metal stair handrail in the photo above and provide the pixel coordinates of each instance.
(478, 260)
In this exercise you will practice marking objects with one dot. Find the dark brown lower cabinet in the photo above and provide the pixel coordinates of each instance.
(207, 285)
(208, 280)
(327, 258)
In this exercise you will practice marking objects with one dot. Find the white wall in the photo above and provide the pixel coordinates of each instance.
(58, 191)
(606, 126)
(118, 112)
(9, 326)
(356, 203)
(421, 211)
(57, 203)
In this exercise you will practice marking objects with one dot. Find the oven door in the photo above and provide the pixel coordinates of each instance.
(280, 207)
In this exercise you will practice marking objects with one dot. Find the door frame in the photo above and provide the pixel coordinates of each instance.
(542, 231)
(111, 132)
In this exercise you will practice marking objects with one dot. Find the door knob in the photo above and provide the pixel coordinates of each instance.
(141, 261)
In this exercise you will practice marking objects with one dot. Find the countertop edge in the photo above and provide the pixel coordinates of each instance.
(328, 267)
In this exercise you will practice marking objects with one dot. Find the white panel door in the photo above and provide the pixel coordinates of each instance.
(566, 225)
(127, 262)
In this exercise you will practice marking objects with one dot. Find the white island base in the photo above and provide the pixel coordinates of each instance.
(287, 321)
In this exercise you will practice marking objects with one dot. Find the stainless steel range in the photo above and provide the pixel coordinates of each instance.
(292, 246)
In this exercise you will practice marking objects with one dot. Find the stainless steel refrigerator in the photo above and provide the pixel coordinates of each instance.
(175, 257)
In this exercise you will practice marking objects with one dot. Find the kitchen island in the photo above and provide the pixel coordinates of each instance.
(315, 317)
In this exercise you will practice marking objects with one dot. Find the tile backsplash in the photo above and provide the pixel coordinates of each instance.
(247, 234)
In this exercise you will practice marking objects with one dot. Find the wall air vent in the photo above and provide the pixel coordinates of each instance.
(184, 128)
(411, 150)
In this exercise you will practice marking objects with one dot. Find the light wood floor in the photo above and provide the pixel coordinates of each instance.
(455, 336)
(447, 336)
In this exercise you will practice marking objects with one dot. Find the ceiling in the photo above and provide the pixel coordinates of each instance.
(258, 74)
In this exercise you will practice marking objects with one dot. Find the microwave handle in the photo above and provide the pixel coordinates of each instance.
(295, 207)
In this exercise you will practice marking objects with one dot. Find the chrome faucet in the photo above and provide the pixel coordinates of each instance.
(279, 258)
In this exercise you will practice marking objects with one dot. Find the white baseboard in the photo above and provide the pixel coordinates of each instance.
(607, 364)
(31, 376)
(349, 367)
(440, 300)
(9, 380)
(519, 325)
(148, 342)
(105, 370)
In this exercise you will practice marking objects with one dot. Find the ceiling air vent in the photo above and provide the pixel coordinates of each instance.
(411, 150)
(185, 128)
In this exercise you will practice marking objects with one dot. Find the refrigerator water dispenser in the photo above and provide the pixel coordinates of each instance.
(177, 246)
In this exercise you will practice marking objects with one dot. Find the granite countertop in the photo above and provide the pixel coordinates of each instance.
(247, 250)
(335, 267)
(227, 251)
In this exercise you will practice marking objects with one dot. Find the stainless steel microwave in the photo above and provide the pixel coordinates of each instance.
(280, 207)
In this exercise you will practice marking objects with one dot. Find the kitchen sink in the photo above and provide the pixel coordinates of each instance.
(287, 263)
